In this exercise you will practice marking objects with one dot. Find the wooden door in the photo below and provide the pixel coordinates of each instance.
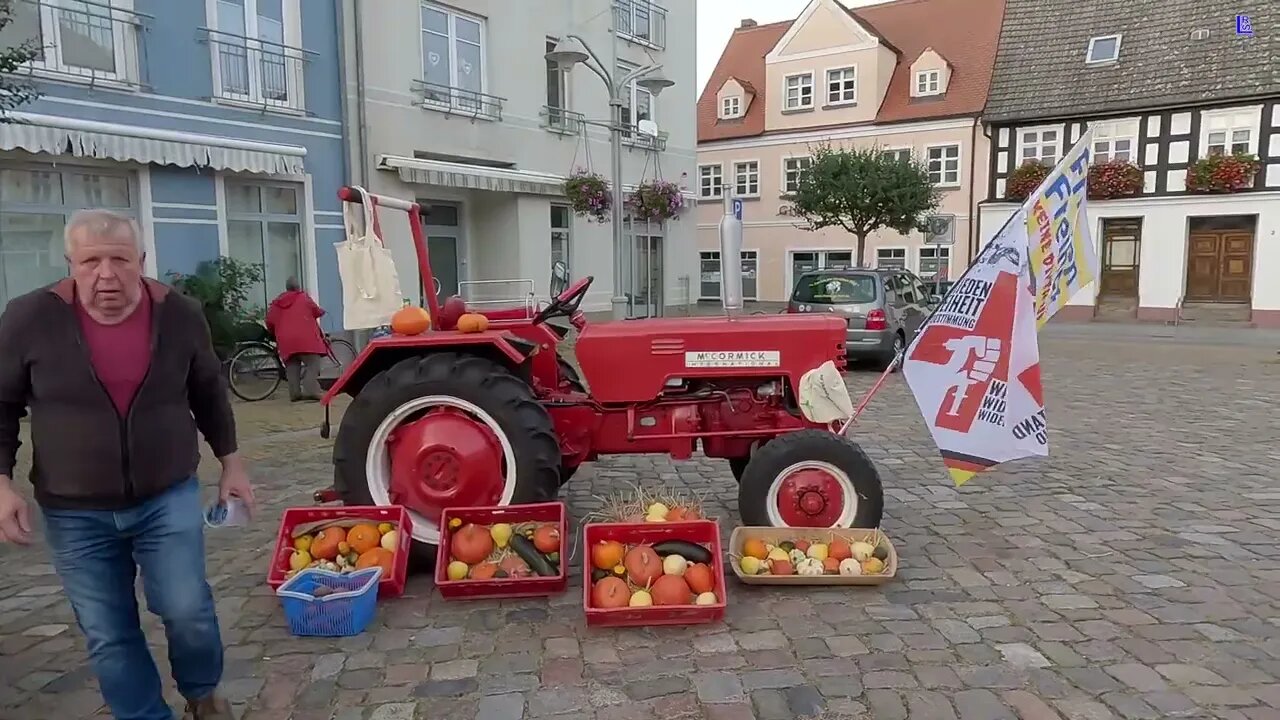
(1220, 266)
(1121, 251)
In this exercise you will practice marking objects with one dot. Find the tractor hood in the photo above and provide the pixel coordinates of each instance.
(632, 360)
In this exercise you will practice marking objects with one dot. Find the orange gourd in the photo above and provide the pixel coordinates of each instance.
(473, 323)
(325, 546)
(410, 320)
(607, 554)
(378, 556)
(547, 539)
(471, 544)
(610, 592)
(700, 578)
(484, 571)
(670, 590)
(643, 565)
(363, 538)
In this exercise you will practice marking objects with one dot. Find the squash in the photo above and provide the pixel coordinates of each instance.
(547, 539)
(484, 571)
(671, 590)
(410, 320)
(325, 546)
(471, 544)
(363, 537)
(473, 323)
(700, 578)
(610, 592)
(378, 556)
(643, 565)
(607, 554)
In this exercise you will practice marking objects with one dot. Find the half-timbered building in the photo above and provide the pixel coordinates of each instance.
(1184, 100)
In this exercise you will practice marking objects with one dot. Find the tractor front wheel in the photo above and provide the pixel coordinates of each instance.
(810, 478)
(445, 430)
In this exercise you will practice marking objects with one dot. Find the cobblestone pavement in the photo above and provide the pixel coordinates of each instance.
(1136, 574)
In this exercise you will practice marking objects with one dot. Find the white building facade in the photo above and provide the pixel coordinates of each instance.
(453, 104)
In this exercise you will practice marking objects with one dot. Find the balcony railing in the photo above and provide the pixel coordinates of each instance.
(458, 101)
(641, 21)
(562, 121)
(633, 137)
(257, 72)
(81, 40)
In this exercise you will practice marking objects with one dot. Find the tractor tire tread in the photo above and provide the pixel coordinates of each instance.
(783, 451)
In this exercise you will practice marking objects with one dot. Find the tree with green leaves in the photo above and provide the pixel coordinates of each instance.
(14, 92)
(863, 190)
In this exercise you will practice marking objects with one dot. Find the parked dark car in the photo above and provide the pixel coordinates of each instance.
(884, 307)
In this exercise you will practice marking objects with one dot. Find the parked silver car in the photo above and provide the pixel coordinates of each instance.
(884, 307)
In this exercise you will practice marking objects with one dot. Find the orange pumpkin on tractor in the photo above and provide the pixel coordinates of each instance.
(484, 410)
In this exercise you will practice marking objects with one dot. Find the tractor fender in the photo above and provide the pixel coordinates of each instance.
(384, 352)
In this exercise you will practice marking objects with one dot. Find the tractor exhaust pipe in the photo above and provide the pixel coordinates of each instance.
(730, 257)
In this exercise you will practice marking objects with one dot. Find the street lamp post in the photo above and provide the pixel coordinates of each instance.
(571, 51)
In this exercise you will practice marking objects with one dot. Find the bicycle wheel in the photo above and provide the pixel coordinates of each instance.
(255, 372)
(342, 354)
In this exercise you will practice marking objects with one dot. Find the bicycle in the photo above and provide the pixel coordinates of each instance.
(260, 360)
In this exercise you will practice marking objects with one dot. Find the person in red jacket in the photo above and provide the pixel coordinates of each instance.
(292, 320)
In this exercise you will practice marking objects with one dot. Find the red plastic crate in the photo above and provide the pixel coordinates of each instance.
(391, 586)
(535, 586)
(703, 532)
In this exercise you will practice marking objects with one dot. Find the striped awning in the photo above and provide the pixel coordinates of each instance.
(417, 171)
(91, 139)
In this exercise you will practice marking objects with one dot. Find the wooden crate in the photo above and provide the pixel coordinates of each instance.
(773, 535)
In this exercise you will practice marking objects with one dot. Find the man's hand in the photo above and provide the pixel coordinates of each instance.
(15, 516)
(235, 482)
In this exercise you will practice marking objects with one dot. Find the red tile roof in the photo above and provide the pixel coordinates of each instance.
(964, 32)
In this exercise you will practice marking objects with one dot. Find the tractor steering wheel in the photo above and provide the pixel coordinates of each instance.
(566, 303)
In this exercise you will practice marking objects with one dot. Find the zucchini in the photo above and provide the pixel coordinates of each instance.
(597, 575)
(692, 552)
(536, 561)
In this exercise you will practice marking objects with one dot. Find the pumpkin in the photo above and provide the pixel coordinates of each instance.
(325, 546)
(547, 539)
(471, 544)
(514, 566)
(676, 514)
(670, 590)
(700, 578)
(607, 554)
(363, 537)
(484, 571)
(473, 323)
(410, 320)
(643, 565)
(610, 592)
(839, 549)
(377, 557)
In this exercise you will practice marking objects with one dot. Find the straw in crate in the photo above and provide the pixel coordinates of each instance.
(321, 603)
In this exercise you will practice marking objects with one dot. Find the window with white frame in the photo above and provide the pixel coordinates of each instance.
(929, 82)
(842, 86)
(1228, 133)
(710, 181)
(72, 38)
(557, 91)
(895, 258)
(256, 55)
(1115, 140)
(1103, 49)
(264, 227)
(746, 178)
(792, 169)
(637, 103)
(899, 154)
(453, 57)
(1039, 145)
(35, 203)
(710, 276)
(944, 165)
(562, 235)
(935, 263)
(731, 107)
(798, 91)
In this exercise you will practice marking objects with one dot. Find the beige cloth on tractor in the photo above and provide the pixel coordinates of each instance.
(823, 396)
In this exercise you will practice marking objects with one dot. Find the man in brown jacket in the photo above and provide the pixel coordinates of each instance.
(118, 373)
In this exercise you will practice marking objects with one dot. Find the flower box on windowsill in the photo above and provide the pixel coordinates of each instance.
(1025, 179)
(1223, 173)
(1114, 179)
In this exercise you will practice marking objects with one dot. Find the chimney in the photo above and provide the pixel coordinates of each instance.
(748, 23)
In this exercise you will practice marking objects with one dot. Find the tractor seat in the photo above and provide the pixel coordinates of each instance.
(454, 307)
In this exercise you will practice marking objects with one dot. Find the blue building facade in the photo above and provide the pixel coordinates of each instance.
(216, 123)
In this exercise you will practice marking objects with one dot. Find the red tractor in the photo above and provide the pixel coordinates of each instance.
(448, 418)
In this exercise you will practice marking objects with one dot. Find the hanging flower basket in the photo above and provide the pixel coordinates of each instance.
(589, 195)
(1114, 179)
(656, 201)
(1222, 173)
(1025, 179)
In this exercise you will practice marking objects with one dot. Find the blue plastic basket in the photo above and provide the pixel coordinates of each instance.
(344, 612)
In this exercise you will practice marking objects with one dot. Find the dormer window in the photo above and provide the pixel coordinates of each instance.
(730, 107)
(929, 82)
(1103, 49)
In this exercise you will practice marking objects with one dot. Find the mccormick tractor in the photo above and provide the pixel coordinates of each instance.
(449, 418)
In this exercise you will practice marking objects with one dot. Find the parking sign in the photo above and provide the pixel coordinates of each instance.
(737, 208)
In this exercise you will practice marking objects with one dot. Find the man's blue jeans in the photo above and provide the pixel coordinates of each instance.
(97, 554)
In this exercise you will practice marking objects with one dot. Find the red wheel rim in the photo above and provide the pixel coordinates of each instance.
(445, 458)
(812, 494)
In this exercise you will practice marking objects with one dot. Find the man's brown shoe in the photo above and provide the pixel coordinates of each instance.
(210, 708)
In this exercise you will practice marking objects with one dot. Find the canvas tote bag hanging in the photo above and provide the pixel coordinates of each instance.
(370, 287)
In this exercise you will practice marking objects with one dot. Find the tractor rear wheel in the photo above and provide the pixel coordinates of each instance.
(445, 430)
(810, 478)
